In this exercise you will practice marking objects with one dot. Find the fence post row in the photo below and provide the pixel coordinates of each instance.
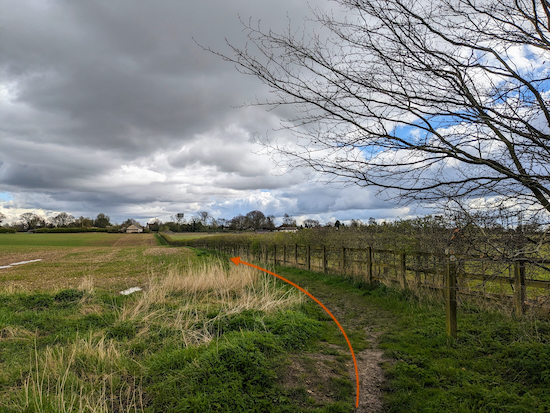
(324, 259)
(450, 289)
(450, 298)
(369, 265)
(519, 287)
(403, 270)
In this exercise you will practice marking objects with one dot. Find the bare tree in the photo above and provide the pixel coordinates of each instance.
(238, 222)
(62, 219)
(204, 217)
(256, 220)
(2, 217)
(222, 222)
(30, 220)
(270, 222)
(288, 221)
(425, 100)
(311, 223)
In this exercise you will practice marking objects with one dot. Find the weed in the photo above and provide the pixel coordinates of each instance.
(68, 296)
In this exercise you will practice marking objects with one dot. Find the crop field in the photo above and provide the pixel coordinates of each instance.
(110, 261)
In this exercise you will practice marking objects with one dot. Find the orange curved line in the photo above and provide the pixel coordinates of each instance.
(237, 261)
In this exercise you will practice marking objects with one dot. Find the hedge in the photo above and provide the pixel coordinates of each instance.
(80, 229)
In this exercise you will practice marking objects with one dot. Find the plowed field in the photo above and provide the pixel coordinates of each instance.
(109, 261)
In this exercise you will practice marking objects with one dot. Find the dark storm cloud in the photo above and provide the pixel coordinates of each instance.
(126, 72)
(111, 106)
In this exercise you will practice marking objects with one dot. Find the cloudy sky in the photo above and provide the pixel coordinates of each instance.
(111, 106)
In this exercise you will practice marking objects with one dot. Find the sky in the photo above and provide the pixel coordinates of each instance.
(112, 107)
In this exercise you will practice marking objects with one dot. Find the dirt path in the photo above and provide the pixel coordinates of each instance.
(356, 316)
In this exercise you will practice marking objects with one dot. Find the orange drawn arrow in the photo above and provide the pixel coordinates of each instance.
(237, 261)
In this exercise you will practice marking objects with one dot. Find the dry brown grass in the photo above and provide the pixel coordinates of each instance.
(80, 378)
(204, 289)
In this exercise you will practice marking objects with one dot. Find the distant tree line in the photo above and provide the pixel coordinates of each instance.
(204, 221)
(483, 234)
(201, 221)
(32, 221)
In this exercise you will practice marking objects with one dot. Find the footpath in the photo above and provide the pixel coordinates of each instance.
(363, 322)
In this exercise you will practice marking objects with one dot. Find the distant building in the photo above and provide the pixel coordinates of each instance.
(286, 229)
(132, 229)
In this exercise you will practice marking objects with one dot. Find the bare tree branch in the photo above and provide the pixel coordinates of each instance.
(429, 100)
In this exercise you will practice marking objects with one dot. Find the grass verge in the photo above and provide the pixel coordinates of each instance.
(205, 336)
(497, 364)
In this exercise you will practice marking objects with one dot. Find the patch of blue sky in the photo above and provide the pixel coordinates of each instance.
(5, 196)
(413, 133)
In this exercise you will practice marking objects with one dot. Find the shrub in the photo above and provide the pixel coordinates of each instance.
(69, 230)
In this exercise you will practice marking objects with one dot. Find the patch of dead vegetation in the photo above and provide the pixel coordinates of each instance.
(15, 333)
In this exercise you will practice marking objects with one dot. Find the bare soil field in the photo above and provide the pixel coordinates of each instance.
(108, 261)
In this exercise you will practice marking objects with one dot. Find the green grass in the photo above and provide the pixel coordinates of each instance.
(497, 364)
(206, 351)
(186, 344)
(55, 240)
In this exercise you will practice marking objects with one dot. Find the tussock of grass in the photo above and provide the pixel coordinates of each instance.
(81, 377)
(192, 302)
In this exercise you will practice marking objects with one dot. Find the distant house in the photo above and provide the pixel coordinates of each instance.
(286, 229)
(132, 229)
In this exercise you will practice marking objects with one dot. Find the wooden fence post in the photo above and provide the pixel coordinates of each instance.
(343, 259)
(324, 259)
(450, 298)
(519, 287)
(308, 257)
(274, 254)
(296, 255)
(403, 270)
(369, 265)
